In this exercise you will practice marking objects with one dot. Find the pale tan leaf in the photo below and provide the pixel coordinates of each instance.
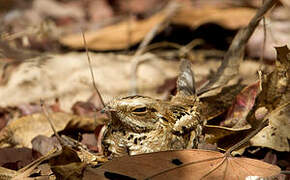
(21, 131)
(67, 77)
(276, 135)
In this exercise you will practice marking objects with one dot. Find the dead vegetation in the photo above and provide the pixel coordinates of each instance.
(51, 120)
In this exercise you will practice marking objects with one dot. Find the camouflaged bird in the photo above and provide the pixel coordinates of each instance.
(141, 124)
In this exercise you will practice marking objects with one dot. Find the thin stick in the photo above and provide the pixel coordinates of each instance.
(235, 52)
(91, 70)
(264, 41)
(46, 114)
(246, 139)
(129, 31)
(170, 11)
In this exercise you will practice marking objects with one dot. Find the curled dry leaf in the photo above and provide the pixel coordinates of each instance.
(117, 36)
(243, 104)
(185, 164)
(21, 131)
(219, 100)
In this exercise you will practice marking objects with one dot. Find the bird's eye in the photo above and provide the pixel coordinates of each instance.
(140, 110)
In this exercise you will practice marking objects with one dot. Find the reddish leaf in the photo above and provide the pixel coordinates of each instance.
(244, 102)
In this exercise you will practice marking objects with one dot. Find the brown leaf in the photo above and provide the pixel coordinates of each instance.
(15, 158)
(116, 36)
(186, 164)
(230, 18)
(67, 165)
(224, 137)
(27, 170)
(21, 131)
(113, 37)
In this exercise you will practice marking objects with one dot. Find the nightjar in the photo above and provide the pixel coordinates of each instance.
(141, 124)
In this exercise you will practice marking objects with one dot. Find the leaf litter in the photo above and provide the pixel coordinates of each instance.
(234, 105)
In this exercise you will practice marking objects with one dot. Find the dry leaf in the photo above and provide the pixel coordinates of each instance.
(219, 100)
(67, 77)
(114, 37)
(238, 112)
(67, 165)
(21, 131)
(274, 95)
(276, 135)
(23, 173)
(117, 36)
(43, 144)
(229, 18)
(15, 158)
(186, 164)
(275, 86)
(224, 137)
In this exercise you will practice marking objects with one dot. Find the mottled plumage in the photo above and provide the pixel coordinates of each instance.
(142, 124)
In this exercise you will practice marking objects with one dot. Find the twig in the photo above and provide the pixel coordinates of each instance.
(264, 42)
(247, 138)
(91, 70)
(45, 112)
(188, 47)
(235, 53)
(27, 170)
(170, 11)
(129, 31)
(94, 82)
